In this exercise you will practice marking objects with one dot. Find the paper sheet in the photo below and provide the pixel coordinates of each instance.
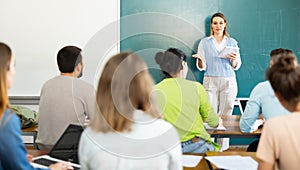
(228, 50)
(190, 160)
(233, 162)
(212, 128)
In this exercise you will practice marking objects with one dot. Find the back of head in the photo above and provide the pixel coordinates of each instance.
(68, 58)
(5, 58)
(278, 52)
(284, 77)
(170, 61)
(124, 86)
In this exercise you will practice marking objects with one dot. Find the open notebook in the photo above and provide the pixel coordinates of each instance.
(65, 149)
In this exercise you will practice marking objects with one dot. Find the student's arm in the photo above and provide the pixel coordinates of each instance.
(266, 151)
(206, 111)
(12, 147)
(262, 165)
(252, 111)
(90, 102)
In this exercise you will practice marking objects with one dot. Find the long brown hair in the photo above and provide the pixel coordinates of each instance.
(124, 86)
(218, 14)
(5, 57)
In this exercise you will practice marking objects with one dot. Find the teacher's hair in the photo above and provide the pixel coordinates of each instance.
(125, 85)
(5, 57)
(218, 14)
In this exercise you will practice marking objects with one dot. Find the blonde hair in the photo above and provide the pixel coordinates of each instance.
(124, 86)
(5, 59)
(218, 14)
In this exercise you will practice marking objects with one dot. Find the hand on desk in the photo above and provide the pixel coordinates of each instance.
(61, 166)
(258, 123)
(29, 158)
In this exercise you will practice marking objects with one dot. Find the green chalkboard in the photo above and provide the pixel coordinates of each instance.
(258, 25)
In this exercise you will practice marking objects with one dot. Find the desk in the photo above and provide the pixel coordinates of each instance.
(204, 165)
(31, 131)
(36, 153)
(231, 123)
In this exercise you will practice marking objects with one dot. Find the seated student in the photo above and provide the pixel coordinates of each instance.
(262, 99)
(64, 99)
(279, 142)
(126, 132)
(12, 150)
(185, 103)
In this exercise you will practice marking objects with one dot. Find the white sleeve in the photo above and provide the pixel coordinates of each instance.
(202, 56)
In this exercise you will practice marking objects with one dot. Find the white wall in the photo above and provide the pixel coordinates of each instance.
(36, 30)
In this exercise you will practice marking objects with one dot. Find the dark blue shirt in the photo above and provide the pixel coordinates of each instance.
(13, 154)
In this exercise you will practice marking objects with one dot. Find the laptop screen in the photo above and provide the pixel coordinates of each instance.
(66, 148)
(242, 104)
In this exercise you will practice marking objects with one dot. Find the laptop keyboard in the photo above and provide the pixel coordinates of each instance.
(48, 162)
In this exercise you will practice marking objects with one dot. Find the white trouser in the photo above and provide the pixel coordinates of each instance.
(221, 92)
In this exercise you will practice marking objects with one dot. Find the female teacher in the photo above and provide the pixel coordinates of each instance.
(219, 77)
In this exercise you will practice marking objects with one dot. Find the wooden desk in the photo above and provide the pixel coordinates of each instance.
(231, 123)
(31, 131)
(251, 154)
(36, 153)
(204, 164)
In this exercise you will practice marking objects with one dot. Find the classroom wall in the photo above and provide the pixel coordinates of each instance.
(36, 30)
(258, 25)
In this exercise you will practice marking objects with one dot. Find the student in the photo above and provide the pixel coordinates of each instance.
(185, 103)
(12, 150)
(262, 99)
(126, 132)
(64, 99)
(279, 142)
(219, 77)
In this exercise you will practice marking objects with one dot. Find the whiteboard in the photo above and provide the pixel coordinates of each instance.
(36, 30)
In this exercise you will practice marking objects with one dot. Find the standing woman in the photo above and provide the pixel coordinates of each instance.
(12, 150)
(219, 77)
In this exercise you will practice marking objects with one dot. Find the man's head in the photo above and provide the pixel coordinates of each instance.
(69, 60)
(277, 53)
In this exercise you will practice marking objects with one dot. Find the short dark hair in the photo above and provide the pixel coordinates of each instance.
(68, 58)
(284, 77)
(170, 61)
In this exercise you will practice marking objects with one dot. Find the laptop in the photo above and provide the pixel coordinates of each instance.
(65, 149)
(242, 104)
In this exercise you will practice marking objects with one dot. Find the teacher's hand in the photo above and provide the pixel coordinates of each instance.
(231, 56)
(197, 56)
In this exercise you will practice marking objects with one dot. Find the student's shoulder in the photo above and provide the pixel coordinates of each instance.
(262, 87)
(10, 119)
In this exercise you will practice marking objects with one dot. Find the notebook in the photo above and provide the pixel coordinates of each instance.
(65, 149)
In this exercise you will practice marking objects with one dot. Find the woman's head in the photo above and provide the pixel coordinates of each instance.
(284, 77)
(171, 62)
(7, 74)
(278, 52)
(218, 24)
(124, 86)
